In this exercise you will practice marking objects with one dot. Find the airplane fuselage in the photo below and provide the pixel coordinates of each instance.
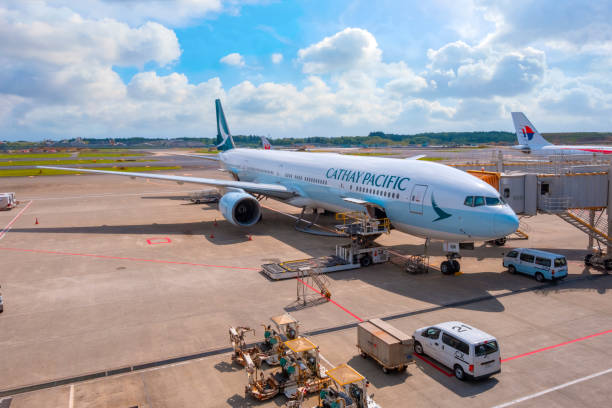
(571, 149)
(419, 197)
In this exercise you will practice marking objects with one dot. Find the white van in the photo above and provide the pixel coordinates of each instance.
(470, 352)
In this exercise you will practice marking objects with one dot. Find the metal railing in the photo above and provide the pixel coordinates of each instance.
(554, 204)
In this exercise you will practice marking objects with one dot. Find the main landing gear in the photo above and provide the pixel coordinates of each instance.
(451, 265)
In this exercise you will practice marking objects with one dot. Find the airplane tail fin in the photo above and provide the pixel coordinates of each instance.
(526, 133)
(224, 138)
(265, 143)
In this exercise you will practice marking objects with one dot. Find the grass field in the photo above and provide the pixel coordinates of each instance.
(371, 154)
(63, 162)
(207, 151)
(431, 158)
(121, 153)
(49, 172)
(33, 155)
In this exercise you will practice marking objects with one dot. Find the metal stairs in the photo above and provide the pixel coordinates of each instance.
(594, 227)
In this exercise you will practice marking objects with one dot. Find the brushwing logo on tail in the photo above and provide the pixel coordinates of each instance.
(527, 132)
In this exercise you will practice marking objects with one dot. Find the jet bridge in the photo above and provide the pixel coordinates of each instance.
(580, 198)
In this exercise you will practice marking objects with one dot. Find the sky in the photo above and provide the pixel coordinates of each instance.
(146, 68)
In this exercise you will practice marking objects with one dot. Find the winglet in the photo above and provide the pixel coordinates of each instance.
(224, 138)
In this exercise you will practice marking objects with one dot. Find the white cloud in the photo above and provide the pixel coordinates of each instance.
(351, 48)
(276, 58)
(136, 12)
(62, 37)
(461, 70)
(233, 59)
(57, 78)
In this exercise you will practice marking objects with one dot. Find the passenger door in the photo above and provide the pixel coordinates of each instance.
(416, 198)
(526, 264)
(431, 340)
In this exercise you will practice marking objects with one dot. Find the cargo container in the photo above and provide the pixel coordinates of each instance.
(390, 347)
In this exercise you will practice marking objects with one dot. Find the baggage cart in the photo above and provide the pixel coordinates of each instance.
(388, 346)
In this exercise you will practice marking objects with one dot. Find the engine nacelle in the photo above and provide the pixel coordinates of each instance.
(239, 208)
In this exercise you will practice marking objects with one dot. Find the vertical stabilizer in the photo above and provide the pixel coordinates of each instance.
(265, 143)
(526, 133)
(224, 138)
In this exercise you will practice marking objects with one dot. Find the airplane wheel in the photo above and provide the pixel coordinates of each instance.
(366, 261)
(500, 241)
(456, 266)
(446, 268)
(587, 260)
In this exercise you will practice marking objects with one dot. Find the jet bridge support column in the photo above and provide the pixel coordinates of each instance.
(592, 224)
(609, 248)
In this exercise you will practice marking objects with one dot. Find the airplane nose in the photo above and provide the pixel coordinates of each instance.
(506, 224)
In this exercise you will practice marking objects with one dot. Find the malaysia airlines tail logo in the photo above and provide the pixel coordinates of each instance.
(527, 132)
(266, 144)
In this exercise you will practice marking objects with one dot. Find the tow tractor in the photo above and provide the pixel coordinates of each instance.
(283, 327)
(300, 372)
(359, 252)
(348, 390)
(599, 259)
(7, 201)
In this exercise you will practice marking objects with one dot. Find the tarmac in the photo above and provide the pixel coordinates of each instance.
(123, 292)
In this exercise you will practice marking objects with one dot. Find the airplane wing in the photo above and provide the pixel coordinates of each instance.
(199, 156)
(417, 157)
(272, 190)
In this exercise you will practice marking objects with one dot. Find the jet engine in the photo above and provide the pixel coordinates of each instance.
(240, 208)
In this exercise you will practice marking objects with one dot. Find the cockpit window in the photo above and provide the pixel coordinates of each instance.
(492, 201)
(477, 201)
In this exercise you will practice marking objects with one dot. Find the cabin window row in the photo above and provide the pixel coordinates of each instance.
(315, 180)
(376, 192)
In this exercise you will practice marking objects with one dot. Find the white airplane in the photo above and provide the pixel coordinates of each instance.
(531, 141)
(421, 198)
(265, 143)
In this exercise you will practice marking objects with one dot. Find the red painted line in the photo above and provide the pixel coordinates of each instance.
(434, 365)
(556, 345)
(10, 224)
(332, 301)
(41, 251)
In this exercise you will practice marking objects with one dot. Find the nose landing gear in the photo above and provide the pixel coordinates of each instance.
(451, 265)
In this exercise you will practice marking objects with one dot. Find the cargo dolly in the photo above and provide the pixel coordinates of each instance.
(388, 346)
(347, 257)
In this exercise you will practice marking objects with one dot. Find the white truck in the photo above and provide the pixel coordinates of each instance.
(7, 201)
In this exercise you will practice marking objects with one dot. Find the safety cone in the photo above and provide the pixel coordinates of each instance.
(250, 237)
(215, 224)
(212, 236)
(36, 222)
